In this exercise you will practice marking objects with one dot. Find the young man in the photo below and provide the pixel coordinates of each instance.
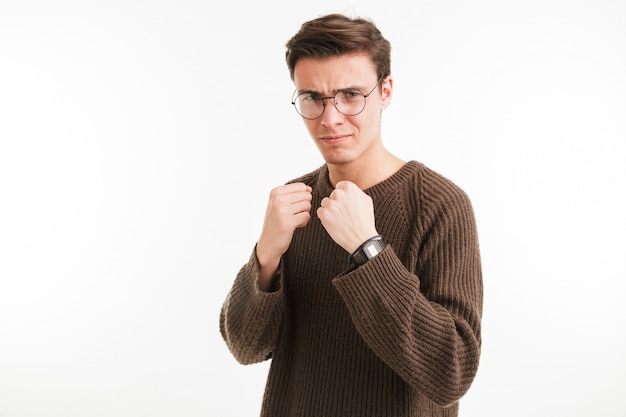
(365, 285)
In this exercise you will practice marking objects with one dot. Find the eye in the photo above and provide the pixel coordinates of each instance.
(350, 95)
(309, 97)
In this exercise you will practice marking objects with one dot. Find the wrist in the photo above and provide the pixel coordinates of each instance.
(268, 266)
(367, 250)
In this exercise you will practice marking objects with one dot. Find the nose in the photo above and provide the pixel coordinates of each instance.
(331, 115)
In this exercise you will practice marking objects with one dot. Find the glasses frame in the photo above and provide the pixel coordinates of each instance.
(323, 100)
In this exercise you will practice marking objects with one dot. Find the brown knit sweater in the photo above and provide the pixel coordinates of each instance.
(398, 336)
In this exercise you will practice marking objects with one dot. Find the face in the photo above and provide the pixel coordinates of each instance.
(344, 139)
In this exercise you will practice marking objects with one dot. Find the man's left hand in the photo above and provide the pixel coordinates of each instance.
(347, 214)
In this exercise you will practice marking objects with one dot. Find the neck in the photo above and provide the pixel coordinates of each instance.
(366, 173)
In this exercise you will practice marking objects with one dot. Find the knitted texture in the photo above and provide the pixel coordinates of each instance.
(398, 336)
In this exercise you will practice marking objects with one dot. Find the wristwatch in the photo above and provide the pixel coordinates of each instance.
(368, 250)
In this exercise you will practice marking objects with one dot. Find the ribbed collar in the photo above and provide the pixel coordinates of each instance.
(381, 189)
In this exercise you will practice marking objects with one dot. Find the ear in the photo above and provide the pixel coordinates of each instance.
(386, 91)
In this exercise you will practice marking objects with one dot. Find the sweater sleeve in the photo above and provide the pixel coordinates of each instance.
(250, 319)
(425, 325)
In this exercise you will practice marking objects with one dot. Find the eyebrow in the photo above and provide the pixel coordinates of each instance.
(352, 87)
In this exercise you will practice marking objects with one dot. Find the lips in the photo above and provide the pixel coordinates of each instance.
(332, 139)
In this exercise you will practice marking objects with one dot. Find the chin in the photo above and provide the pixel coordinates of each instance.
(337, 159)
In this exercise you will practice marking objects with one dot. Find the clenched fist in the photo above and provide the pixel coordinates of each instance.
(347, 214)
(289, 207)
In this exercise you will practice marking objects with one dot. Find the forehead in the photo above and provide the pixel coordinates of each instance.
(334, 73)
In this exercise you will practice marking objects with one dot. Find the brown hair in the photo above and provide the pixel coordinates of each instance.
(336, 34)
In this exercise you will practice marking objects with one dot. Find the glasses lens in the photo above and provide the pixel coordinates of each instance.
(350, 102)
(309, 106)
(347, 102)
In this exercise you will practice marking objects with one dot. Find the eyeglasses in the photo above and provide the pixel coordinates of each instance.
(348, 102)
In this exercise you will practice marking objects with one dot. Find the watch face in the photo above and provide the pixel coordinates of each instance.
(371, 250)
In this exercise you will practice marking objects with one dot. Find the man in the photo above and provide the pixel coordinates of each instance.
(365, 285)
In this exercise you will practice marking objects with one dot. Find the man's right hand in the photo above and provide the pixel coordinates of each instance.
(289, 207)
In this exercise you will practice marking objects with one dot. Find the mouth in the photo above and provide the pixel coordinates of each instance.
(333, 139)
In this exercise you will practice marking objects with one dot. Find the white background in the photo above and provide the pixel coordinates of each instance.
(139, 141)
